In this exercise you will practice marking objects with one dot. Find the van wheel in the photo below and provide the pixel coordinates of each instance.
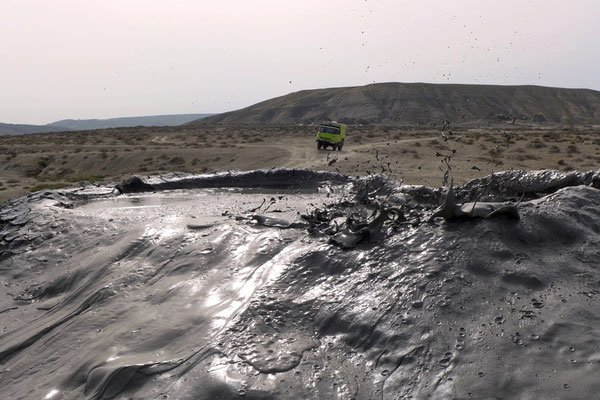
(318, 145)
(339, 146)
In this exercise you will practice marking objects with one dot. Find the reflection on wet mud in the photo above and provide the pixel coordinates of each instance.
(357, 291)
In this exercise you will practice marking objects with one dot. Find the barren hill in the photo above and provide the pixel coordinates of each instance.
(150, 120)
(90, 124)
(20, 129)
(423, 103)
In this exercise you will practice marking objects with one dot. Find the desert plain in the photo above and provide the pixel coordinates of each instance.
(413, 155)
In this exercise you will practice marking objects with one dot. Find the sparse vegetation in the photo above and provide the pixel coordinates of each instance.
(536, 144)
(41, 161)
(45, 186)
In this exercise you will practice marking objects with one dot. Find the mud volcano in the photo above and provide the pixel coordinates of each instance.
(291, 284)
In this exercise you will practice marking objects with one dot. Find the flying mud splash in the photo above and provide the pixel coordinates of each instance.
(295, 284)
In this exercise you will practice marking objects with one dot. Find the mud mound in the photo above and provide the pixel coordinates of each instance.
(276, 178)
(525, 184)
(330, 288)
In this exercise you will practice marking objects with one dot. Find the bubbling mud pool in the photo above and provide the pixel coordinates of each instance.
(289, 284)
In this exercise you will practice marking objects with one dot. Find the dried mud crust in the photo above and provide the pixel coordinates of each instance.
(212, 291)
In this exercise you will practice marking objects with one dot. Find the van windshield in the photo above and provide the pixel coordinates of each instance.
(328, 129)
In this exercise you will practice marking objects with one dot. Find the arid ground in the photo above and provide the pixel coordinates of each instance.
(414, 155)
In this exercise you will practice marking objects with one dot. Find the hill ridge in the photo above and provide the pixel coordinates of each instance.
(96, 123)
(124, 122)
(423, 103)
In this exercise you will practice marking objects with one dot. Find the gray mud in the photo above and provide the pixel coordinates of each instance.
(240, 286)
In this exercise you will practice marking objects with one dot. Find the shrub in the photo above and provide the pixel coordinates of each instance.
(536, 144)
(176, 161)
(496, 152)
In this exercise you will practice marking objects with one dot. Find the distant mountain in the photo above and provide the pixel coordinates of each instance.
(21, 129)
(423, 103)
(151, 120)
(87, 124)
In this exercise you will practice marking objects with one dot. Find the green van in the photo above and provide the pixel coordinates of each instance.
(331, 134)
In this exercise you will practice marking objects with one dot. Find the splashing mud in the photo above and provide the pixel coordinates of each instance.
(295, 284)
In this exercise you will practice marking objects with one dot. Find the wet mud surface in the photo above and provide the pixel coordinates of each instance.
(289, 284)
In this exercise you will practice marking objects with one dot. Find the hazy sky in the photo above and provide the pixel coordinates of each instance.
(110, 58)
